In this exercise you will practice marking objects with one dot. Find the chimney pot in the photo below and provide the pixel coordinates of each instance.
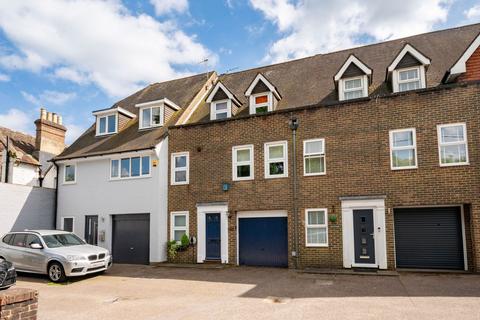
(49, 116)
(43, 114)
(55, 118)
(60, 120)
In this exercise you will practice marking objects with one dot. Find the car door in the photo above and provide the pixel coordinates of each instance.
(33, 259)
(15, 250)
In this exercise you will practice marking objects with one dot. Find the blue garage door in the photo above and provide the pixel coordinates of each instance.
(263, 242)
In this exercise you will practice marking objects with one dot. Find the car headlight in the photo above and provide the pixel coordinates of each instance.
(12, 268)
(75, 258)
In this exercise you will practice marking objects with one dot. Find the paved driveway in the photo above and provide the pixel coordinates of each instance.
(142, 292)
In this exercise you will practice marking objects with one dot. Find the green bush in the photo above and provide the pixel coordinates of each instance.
(174, 246)
(185, 241)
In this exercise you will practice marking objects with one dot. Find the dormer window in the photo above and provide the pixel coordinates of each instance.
(221, 109)
(263, 96)
(107, 121)
(223, 104)
(154, 113)
(352, 79)
(407, 71)
(107, 124)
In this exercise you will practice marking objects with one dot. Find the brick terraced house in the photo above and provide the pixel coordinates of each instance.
(367, 157)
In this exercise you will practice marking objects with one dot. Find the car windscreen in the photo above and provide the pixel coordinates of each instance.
(62, 240)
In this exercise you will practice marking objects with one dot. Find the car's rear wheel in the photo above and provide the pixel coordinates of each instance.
(56, 273)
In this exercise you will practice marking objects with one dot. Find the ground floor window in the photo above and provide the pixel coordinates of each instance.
(67, 224)
(179, 225)
(316, 227)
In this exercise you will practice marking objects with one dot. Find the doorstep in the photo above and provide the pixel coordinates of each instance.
(190, 265)
(363, 272)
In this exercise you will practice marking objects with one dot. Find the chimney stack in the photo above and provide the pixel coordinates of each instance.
(50, 138)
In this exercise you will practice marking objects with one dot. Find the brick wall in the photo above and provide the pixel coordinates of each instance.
(18, 303)
(473, 67)
(357, 163)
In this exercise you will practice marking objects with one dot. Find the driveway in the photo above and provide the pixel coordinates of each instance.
(145, 292)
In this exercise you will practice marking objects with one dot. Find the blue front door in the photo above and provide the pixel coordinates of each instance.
(213, 236)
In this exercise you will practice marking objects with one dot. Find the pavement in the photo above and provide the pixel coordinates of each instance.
(153, 292)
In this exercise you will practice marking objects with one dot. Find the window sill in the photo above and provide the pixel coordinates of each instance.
(105, 134)
(276, 177)
(243, 179)
(316, 245)
(179, 183)
(68, 183)
(314, 174)
(150, 128)
(454, 164)
(131, 178)
(404, 168)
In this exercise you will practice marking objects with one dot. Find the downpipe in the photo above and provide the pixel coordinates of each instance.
(293, 125)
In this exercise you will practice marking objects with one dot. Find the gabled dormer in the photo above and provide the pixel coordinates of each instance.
(110, 121)
(467, 67)
(407, 71)
(223, 103)
(262, 95)
(156, 113)
(353, 79)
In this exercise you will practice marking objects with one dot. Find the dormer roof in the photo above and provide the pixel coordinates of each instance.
(113, 110)
(460, 65)
(258, 81)
(220, 92)
(352, 67)
(407, 56)
(164, 101)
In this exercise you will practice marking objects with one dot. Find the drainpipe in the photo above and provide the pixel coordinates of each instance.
(7, 160)
(293, 125)
(56, 197)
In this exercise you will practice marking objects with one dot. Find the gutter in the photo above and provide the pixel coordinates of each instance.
(100, 154)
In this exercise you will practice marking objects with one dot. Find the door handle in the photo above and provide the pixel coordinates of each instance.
(131, 248)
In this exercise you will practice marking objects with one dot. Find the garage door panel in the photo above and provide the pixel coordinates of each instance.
(263, 241)
(429, 238)
(131, 238)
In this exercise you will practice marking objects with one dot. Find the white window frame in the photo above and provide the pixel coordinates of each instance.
(73, 223)
(235, 163)
(74, 165)
(268, 104)
(119, 159)
(307, 226)
(314, 155)
(213, 108)
(414, 147)
(267, 160)
(441, 144)
(151, 125)
(106, 124)
(172, 223)
(397, 81)
(343, 90)
(173, 169)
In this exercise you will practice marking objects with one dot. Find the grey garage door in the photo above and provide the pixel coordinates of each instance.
(131, 238)
(429, 238)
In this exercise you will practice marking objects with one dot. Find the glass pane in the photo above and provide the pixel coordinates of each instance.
(125, 167)
(243, 171)
(353, 84)
(178, 234)
(315, 165)
(114, 170)
(135, 167)
(409, 74)
(403, 158)
(353, 94)
(275, 152)
(180, 176)
(68, 224)
(180, 161)
(69, 173)
(454, 154)
(221, 106)
(112, 123)
(316, 217)
(406, 86)
(317, 235)
(243, 155)
(180, 221)
(19, 239)
(402, 139)
(145, 165)
(276, 168)
(221, 115)
(103, 125)
(261, 99)
(146, 118)
(313, 147)
(452, 134)
(156, 116)
(261, 109)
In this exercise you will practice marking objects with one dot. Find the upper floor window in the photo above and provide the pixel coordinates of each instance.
(314, 157)
(107, 124)
(70, 173)
(151, 117)
(178, 226)
(131, 167)
(262, 94)
(407, 70)
(316, 227)
(409, 79)
(180, 168)
(242, 162)
(221, 109)
(261, 103)
(403, 149)
(276, 161)
(452, 144)
(353, 88)
(352, 79)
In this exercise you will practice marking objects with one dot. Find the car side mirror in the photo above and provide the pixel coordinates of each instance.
(36, 246)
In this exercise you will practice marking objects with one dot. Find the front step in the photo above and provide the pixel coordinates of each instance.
(212, 261)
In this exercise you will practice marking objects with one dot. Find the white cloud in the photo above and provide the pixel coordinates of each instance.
(473, 14)
(4, 77)
(167, 6)
(73, 132)
(49, 97)
(309, 27)
(96, 41)
(17, 120)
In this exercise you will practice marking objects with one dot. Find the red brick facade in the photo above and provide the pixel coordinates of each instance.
(473, 67)
(357, 164)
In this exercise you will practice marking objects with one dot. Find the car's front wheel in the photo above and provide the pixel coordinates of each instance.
(56, 273)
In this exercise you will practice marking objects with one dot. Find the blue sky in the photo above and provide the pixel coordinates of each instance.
(75, 56)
